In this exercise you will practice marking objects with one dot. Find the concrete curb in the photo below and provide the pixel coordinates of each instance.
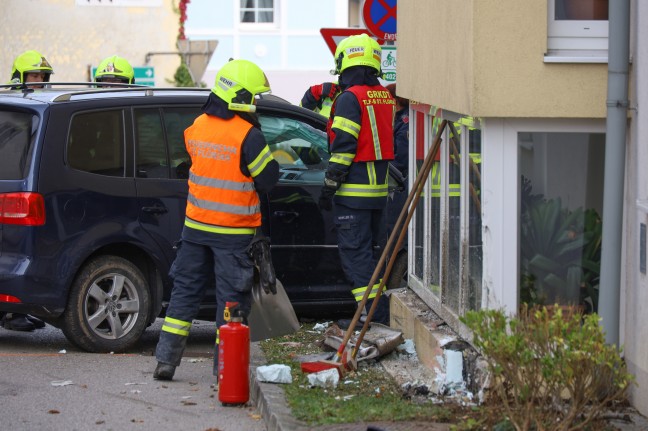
(269, 398)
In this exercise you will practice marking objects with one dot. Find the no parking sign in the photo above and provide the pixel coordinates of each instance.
(380, 18)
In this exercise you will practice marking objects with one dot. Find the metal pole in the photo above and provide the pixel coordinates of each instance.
(615, 149)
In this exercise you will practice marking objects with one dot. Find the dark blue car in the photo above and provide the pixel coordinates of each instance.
(93, 185)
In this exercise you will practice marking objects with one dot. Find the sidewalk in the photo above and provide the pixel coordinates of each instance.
(271, 403)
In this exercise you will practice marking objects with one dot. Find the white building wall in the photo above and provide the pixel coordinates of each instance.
(499, 215)
(292, 52)
(634, 300)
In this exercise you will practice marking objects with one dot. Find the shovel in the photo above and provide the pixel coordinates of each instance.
(344, 361)
(272, 315)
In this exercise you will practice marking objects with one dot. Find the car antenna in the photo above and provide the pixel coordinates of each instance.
(25, 89)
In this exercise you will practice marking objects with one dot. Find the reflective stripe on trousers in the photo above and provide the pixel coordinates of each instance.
(358, 293)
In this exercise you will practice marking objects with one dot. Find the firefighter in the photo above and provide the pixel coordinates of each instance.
(31, 66)
(231, 165)
(320, 97)
(360, 132)
(115, 69)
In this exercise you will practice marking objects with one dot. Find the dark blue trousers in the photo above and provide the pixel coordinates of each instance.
(358, 231)
(205, 258)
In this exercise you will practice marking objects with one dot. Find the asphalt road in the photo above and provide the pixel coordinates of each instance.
(48, 384)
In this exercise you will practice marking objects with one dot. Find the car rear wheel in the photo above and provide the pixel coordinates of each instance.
(108, 307)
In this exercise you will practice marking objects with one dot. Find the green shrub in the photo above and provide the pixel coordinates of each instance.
(549, 371)
(182, 77)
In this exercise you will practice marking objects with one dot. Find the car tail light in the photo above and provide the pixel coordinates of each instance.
(24, 208)
(9, 298)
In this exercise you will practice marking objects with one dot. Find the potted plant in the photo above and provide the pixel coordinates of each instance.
(559, 252)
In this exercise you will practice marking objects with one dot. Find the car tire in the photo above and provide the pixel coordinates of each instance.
(399, 270)
(108, 307)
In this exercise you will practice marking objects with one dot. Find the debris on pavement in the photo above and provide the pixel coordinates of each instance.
(275, 373)
(378, 341)
(407, 347)
(324, 379)
(62, 382)
(321, 327)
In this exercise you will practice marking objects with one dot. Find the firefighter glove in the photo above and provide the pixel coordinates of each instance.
(259, 251)
(326, 198)
(330, 89)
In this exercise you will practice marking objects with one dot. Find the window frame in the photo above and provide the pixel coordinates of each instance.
(575, 41)
(256, 25)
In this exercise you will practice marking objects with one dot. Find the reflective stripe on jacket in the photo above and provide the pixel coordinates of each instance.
(219, 193)
(325, 110)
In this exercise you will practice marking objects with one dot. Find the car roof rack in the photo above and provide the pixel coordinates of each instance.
(125, 88)
(87, 88)
(31, 87)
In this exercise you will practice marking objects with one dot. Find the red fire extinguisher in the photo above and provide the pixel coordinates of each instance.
(233, 358)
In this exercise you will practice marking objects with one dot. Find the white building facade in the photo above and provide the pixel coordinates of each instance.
(281, 36)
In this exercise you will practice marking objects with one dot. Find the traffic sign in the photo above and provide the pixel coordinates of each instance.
(143, 75)
(333, 36)
(380, 18)
(388, 63)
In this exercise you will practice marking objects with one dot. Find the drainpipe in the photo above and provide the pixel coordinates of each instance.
(615, 150)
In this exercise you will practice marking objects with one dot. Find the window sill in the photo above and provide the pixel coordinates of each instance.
(553, 58)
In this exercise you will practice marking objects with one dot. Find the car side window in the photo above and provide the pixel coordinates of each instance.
(96, 143)
(176, 120)
(151, 159)
(295, 144)
(160, 141)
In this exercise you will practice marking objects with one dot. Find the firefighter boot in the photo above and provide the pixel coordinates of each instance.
(164, 371)
(17, 322)
(38, 324)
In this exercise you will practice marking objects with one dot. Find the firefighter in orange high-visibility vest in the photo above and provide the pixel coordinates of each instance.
(231, 165)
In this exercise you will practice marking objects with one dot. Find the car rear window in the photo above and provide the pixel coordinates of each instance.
(17, 136)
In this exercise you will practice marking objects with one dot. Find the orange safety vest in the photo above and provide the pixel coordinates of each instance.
(375, 142)
(219, 193)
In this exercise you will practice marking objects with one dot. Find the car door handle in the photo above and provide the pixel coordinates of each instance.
(155, 209)
(287, 216)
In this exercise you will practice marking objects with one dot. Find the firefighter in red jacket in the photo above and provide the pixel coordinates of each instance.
(320, 97)
(361, 143)
(231, 164)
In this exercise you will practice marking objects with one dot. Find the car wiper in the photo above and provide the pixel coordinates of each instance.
(294, 168)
